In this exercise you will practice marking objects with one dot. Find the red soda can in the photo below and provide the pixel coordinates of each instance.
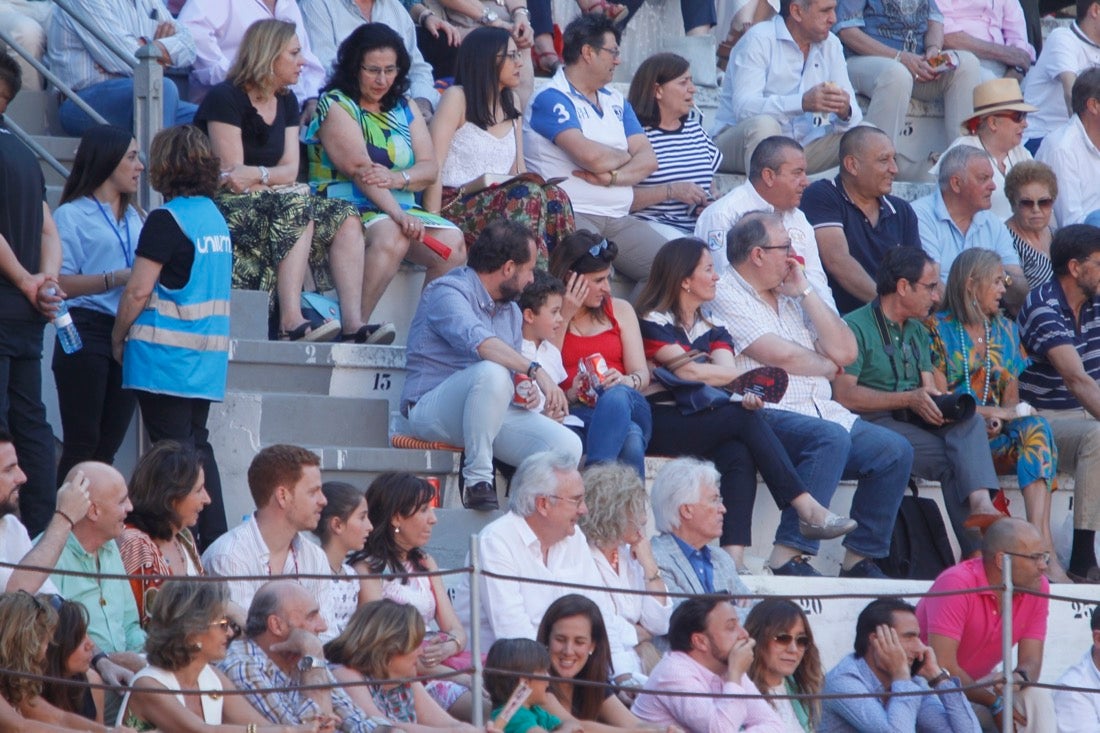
(433, 481)
(525, 387)
(596, 367)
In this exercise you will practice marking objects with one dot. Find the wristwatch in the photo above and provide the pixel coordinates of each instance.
(307, 663)
(532, 368)
(264, 175)
(943, 676)
(488, 17)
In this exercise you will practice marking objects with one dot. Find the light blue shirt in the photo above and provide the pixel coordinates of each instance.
(943, 241)
(948, 711)
(93, 242)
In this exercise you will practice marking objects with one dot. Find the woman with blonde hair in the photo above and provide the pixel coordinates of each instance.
(381, 646)
(976, 350)
(281, 232)
(615, 529)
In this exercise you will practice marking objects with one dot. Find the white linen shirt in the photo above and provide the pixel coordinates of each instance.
(718, 218)
(768, 75)
(748, 317)
(511, 609)
(329, 22)
(218, 28)
(1075, 160)
(14, 544)
(242, 551)
(1079, 712)
(645, 610)
(1065, 49)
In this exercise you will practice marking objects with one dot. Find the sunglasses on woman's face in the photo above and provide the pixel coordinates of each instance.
(1015, 115)
(1043, 203)
(801, 641)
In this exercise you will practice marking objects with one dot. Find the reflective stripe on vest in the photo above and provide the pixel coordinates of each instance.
(193, 341)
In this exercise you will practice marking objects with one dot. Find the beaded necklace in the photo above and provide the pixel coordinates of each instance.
(966, 361)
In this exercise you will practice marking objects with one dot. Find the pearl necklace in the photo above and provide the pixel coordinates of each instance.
(988, 364)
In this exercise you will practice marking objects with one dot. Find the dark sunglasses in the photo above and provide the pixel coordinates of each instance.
(1043, 203)
(801, 641)
(1015, 115)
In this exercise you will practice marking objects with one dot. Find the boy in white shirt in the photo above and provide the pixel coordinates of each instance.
(541, 303)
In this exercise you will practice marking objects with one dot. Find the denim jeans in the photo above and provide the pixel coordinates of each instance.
(24, 416)
(114, 99)
(824, 454)
(617, 428)
(473, 408)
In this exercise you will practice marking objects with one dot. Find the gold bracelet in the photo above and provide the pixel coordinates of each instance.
(250, 728)
(614, 177)
(655, 576)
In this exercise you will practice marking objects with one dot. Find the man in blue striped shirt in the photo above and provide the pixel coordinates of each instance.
(1060, 328)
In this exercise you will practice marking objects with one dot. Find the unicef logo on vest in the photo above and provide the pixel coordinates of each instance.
(213, 243)
(715, 240)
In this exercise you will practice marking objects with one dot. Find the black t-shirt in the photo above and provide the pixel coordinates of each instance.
(22, 191)
(263, 144)
(163, 241)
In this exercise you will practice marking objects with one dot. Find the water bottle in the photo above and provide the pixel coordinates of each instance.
(66, 329)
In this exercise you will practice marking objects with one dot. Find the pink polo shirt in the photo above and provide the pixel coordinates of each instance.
(974, 619)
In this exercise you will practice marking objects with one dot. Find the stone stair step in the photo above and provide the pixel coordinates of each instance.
(320, 420)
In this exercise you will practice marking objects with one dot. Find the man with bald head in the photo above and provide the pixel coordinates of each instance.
(965, 629)
(113, 622)
(280, 649)
(855, 219)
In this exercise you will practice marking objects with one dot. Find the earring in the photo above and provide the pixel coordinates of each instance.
(397, 530)
(197, 646)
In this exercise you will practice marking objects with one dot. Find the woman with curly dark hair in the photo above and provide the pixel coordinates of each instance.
(399, 506)
(368, 145)
(168, 491)
(188, 632)
(786, 662)
(173, 318)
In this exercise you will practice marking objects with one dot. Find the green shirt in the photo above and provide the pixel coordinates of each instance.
(874, 367)
(113, 622)
(527, 718)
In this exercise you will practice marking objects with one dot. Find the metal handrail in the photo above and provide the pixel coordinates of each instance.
(37, 149)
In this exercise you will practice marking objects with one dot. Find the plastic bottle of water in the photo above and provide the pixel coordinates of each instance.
(66, 329)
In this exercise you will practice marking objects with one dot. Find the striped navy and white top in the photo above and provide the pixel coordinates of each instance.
(687, 154)
(1046, 321)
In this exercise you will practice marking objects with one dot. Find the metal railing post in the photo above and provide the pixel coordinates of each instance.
(475, 628)
(148, 113)
(1007, 723)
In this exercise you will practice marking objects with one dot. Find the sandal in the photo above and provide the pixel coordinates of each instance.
(379, 334)
(306, 331)
(544, 67)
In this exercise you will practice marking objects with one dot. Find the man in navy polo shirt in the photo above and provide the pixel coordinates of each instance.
(855, 218)
(1060, 328)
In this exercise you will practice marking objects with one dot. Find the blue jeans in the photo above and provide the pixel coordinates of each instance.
(617, 428)
(824, 453)
(114, 99)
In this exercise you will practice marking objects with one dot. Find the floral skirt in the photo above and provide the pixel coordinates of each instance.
(1026, 446)
(544, 209)
(266, 224)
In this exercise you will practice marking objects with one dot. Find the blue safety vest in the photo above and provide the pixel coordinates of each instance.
(179, 345)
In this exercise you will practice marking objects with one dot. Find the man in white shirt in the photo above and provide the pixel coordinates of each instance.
(1072, 152)
(538, 539)
(285, 482)
(581, 129)
(218, 28)
(710, 653)
(787, 76)
(1079, 712)
(1066, 53)
(777, 178)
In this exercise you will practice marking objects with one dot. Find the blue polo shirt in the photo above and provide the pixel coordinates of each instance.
(1046, 321)
(943, 241)
(826, 204)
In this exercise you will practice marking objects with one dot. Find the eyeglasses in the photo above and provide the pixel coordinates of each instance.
(576, 501)
(227, 625)
(1043, 203)
(786, 247)
(930, 287)
(615, 53)
(801, 641)
(1015, 115)
(1043, 557)
(377, 71)
(516, 56)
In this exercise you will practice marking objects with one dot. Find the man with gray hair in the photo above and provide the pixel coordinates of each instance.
(280, 650)
(1071, 151)
(777, 178)
(957, 217)
(536, 541)
(687, 511)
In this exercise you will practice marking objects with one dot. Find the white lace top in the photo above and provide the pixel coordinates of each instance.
(474, 152)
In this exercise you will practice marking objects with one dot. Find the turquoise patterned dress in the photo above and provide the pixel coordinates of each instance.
(1025, 444)
(388, 136)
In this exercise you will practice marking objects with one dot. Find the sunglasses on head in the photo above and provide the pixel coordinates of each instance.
(801, 641)
(594, 251)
